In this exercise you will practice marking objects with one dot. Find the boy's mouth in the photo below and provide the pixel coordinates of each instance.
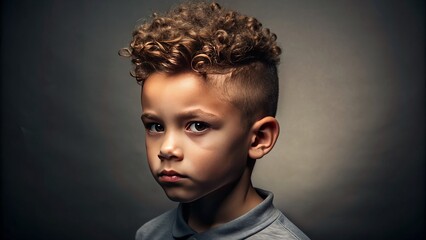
(170, 176)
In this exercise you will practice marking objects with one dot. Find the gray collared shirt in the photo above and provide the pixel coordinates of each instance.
(262, 222)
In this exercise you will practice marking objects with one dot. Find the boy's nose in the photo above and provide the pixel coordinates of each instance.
(169, 148)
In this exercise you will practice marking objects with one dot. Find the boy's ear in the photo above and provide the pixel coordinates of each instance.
(264, 135)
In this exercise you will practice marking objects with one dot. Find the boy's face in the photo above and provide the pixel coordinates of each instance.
(195, 143)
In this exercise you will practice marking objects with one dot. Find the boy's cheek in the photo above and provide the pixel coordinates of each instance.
(152, 142)
(151, 152)
(215, 140)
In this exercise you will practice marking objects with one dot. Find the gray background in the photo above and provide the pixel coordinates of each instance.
(349, 163)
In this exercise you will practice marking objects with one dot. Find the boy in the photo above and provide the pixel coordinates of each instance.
(209, 97)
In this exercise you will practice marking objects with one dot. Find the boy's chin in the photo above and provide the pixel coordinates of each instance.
(180, 196)
(180, 199)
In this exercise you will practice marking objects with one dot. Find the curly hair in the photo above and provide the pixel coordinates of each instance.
(210, 40)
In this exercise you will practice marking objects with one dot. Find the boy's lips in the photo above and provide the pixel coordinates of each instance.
(170, 176)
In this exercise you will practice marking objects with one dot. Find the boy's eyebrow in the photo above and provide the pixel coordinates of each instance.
(149, 116)
(196, 113)
(183, 115)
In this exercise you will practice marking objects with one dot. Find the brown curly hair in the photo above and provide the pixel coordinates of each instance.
(212, 42)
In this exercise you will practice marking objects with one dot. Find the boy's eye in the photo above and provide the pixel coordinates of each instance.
(155, 127)
(197, 127)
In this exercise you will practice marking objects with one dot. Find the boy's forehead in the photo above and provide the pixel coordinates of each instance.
(187, 87)
(161, 81)
(162, 85)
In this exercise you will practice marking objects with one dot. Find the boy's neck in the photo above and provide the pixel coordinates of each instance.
(223, 205)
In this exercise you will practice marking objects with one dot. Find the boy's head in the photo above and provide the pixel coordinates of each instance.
(209, 97)
(232, 53)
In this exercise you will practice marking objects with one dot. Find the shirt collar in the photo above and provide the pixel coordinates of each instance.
(246, 225)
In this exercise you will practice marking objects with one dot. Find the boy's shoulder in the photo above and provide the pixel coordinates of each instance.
(270, 222)
(281, 228)
(262, 222)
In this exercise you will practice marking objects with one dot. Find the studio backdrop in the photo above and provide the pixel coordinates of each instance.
(349, 163)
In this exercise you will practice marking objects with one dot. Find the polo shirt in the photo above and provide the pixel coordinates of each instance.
(262, 222)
